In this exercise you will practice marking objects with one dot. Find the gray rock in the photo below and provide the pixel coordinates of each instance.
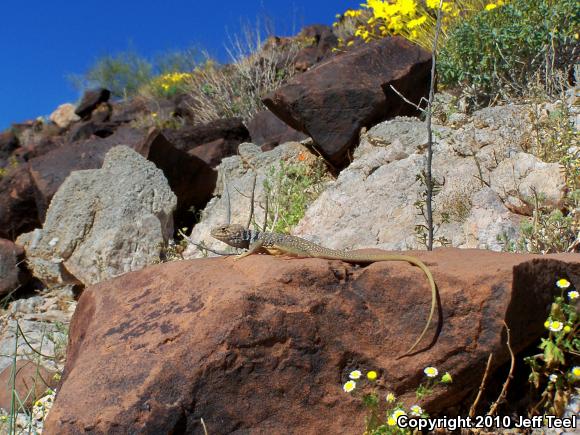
(484, 171)
(103, 222)
(237, 173)
(517, 178)
(64, 115)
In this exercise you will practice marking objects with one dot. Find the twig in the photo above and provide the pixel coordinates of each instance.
(201, 245)
(406, 100)
(429, 181)
(481, 386)
(480, 178)
(252, 201)
(227, 195)
(30, 345)
(503, 393)
(264, 228)
(6, 298)
(203, 425)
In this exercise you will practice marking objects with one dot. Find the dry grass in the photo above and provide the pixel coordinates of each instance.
(235, 90)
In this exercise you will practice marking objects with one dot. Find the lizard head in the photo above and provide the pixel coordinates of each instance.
(232, 234)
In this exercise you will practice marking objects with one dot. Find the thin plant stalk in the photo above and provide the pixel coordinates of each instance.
(428, 172)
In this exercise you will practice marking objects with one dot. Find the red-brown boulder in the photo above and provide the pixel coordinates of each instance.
(10, 274)
(268, 131)
(91, 99)
(332, 101)
(322, 39)
(31, 383)
(18, 211)
(8, 143)
(210, 142)
(264, 345)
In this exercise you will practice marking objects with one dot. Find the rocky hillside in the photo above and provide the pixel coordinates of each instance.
(106, 211)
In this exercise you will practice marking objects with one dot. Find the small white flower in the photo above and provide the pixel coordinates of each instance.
(573, 294)
(416, 410)
(431, 372)
(396, 414)
(355, 374)
(563, 283)
(553, 377)
(349, 386)
(556, 326)
(391, 398)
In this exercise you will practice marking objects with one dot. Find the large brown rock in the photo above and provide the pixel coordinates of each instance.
(191, 179)
(332, 101)
(322, 41)
(265, 344)
(129, 110)
(8, 143)
(10, 256)
(91, 99)
(210, 142)
(268, 131)
(84, 130)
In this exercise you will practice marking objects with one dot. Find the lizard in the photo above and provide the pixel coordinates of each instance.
(279, 244)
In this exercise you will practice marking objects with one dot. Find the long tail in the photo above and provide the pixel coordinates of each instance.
(371, 258)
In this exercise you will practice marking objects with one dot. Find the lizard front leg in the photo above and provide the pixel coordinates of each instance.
(254, 247)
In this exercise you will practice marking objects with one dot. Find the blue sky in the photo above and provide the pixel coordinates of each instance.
(42, 42)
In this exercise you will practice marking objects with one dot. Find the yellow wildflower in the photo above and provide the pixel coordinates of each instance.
(372, 375)
(490, 6)
(416, 22)
(573, 294)
(407, 7)
(391, 398)
(567, 328)
(576, 371)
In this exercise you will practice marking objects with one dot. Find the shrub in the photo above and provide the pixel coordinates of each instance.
(498, 50)
(550, 229)
(169, 84)
(410, 19)
(123, 74)
(554, 373)
(290, 188)
(237, 89)
(127, 73)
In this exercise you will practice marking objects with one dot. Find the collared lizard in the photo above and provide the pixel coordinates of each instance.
(280, 244)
